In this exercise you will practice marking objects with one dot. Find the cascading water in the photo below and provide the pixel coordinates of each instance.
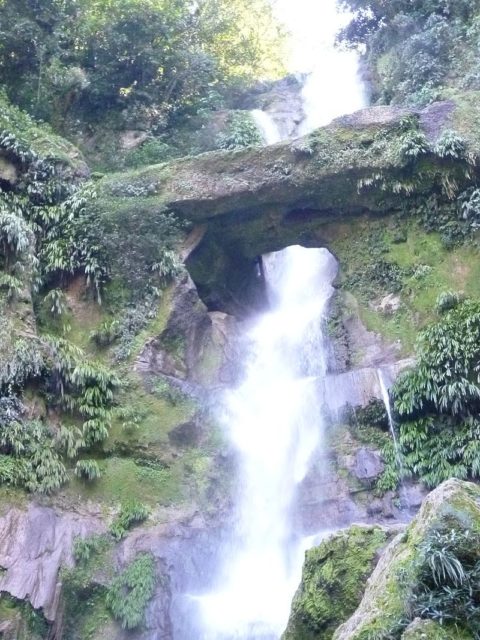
(275, 418)
(275, 422)
(398, 455)
(267, 127)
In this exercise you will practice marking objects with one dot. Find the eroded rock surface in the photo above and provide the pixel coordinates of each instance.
(34, 544)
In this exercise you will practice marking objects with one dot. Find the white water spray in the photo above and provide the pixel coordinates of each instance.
(276, 424)
(275, 418)
(388, 409)
(267, 126)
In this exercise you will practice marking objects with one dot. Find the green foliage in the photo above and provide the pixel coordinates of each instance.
(57, 302)
(37, 464)
(451, 145)
(128, 595)
(88, 470)
(144, 59)
(71, 239)
(413, 144)
(106, 333)
(131, 513)
(11, 285)
(241, 132)
(415, 47)
(152, 151)
(438, 401)
(85, 548)
(448, 300)
(141, 246)
(448, 579)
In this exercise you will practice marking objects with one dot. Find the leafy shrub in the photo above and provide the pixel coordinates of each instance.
(413, 144)
(131, 513)
(11, 285)
(242, 132)
(57, 302)
(448, 579)
(470, 207)
(450, 145)
(39, 465)
(373, 414)
(106, 334)
(438, 401)
(128, 595)
(85, 548)
(448, 300)
(88, 470)
(152, 151)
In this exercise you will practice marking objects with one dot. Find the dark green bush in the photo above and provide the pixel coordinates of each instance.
(129, 594)
(438, 401)
(448, 579)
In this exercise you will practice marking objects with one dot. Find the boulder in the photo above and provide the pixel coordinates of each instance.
(333, 580)
(454, 506)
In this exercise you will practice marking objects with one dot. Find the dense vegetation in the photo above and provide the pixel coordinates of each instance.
(438, 401)
(416, 50)
(141, 61)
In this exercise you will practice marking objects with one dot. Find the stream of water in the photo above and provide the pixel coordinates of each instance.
(274, 418)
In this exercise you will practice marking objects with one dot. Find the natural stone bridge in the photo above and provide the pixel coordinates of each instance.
(249, 202)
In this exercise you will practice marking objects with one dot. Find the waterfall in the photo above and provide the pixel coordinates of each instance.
(274, 418)
(267, 126)
(391, 424)
(275, 421)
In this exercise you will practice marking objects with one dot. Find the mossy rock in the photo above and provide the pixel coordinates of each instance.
(333, 580)
(41, 140)
(384, 610)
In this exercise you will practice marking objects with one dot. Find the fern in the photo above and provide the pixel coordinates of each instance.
(128, 595)
(88, 470)
(130, 514)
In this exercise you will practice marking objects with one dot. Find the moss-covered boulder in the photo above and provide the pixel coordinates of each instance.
(333, 580)
(411, 578)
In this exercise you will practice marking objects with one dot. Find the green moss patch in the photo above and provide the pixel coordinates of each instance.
(333, 580)
(397, 256)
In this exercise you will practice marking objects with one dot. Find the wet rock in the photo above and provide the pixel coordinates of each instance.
(389, 305)
(196, 346)
(368, 464)
(258, 200)
(34, 544)
(333, 579)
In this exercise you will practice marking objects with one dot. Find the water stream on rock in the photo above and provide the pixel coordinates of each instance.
(391, 424)
(274, 418)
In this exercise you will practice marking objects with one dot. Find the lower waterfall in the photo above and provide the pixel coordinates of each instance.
(275, 421)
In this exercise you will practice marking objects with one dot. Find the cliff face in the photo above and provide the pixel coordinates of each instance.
(152, 492)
